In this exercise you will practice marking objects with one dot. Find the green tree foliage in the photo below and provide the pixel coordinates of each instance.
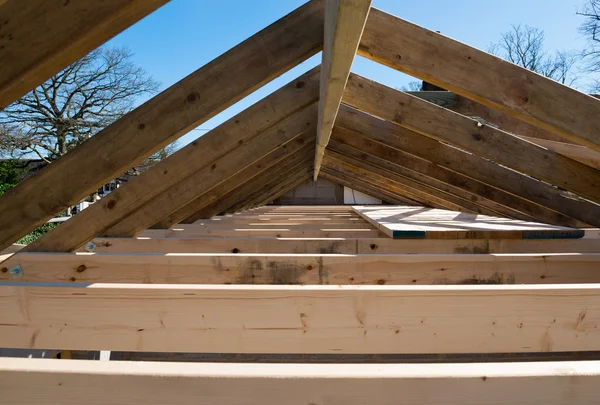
(10, 175)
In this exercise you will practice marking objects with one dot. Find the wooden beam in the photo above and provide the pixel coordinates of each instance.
(470, 108)
(39, 38)
(345, 246)
(353, 177)
(482, 77)
(386, 198)
(468, 201)
(344, 24)
(301, 319)
(582, 154)
(129, 382)
(192, 171)
(402, 185)
(246, 175)
(303, 269)
(277, 186)
(243, 191)
(416, 223)
(353, 144)
(447, 126)
(560, 208)
(156, 123)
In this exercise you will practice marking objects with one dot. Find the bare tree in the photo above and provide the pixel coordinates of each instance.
(524, 46)
(590, 28)
(73, 105)
(414, 85)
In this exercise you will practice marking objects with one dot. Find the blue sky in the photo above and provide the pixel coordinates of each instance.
(184, 35)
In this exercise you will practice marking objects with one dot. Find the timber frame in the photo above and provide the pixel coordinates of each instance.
(485, 247)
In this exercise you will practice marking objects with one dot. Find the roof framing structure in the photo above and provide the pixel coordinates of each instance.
(490, 255)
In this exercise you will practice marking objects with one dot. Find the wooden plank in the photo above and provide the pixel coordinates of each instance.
(136, 206)
(344, 23)
(561, 208)
(398, 185)
(281, 232)
(129, 382)
(269, 178)
(346, 246)
(301, 319)
(419, 182)
(482, 77)
(306, 269)
(39, 38)
(417, 223)
(580, 153)
(276, 184)
(353, 144)
(156, 123)
(241, 163)
(447, 126)
(225, 201)
(384, 197)
(246, 175)
(470, 108)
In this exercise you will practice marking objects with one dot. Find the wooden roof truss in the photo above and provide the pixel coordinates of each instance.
(154, 267)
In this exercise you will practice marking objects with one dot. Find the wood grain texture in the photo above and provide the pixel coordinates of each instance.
(302, 319)
(305, 269)
(401, 189)
(192, 171)
(39, 38)
(482, 77)
(345, 246)
(379, 154)
(291, 134)
(161, 120)
(561, 209)
(416, 223)
(376, 193)
(242, 192)
(416, 181)
(486, 141)
(216, 194)
(34, 381)
(344, 24)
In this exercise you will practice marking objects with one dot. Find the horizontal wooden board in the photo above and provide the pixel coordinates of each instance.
(422, 223)
(305, 269)
(246, 232)
(33, 381)
(345, 246)
(301, 319)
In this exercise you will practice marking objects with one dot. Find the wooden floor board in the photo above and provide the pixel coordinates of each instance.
(33, 381)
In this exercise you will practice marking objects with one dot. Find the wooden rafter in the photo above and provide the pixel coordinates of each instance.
(166, 117)
(481, 77)
(382, 155)
(433, 197)
(466, 200)
(241, 193)
(486, 141)
(38, 38)
(559, 209)
(291, 134)
(365, 188)
(279, 155)
(344, 24)
(191, 163)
